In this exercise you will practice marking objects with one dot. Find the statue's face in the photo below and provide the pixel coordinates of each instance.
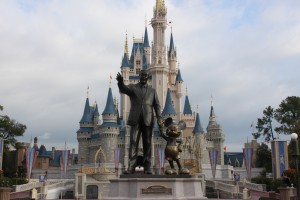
(173, 131)
(143, 78)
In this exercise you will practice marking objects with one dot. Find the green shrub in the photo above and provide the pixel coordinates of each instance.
(5, 182)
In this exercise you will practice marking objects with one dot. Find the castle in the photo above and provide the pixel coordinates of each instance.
(108, 142)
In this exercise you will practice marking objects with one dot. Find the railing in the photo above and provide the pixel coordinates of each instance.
(35, 184)
(252, 186)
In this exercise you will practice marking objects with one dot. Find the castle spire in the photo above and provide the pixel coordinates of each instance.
(86, 117)
(169, 108)
(187, 110)
(110, 106)
(198, 128)
(126, 47)
(125, 60)
(146, 40)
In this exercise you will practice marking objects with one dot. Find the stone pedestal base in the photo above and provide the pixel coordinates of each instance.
(5, 193)
(154, 187)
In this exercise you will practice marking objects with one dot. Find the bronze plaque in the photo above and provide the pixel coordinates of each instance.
(157, 189)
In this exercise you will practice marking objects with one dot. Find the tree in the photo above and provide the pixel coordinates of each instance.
(264, 157)
(264, 125)
(287, 115)
(10, 129)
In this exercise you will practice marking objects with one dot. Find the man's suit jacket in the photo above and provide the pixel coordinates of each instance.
(143, 100)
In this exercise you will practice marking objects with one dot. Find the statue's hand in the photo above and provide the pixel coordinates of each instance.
(160, 122)
(119, 77)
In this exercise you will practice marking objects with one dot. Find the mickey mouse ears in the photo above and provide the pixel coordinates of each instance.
(169, 121)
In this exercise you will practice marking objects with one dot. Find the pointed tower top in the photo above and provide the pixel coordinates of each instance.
(160, 4)
(198, 128)
(212, 113)
(87, 92)
(86, 117)
(96, 112)
(169, 108)
(110, 106)
(178, 77)
(171, 48)
(126, 47)
(187, 110)
(110, 77)
(146, 40)
(125, 60)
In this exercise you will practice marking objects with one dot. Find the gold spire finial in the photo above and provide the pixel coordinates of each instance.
(171, 24)
(186, 91)
(87, 92)
(110, 77)
(126, 47)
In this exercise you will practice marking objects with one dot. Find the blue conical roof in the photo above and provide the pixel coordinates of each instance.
(110, 106)
(198, 128)
(96, 112)
(169, 108)
(125, 62)
(187, 107)
(86, 117)
(178, 77)
(171, 48)
(146, 40)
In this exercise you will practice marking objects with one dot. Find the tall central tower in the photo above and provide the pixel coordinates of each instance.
(159, 68)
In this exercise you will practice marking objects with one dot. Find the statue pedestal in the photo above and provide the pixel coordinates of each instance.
(153, 187)
(5, 193)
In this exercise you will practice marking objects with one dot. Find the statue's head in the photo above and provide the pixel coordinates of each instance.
(174, 129)
(143, 77)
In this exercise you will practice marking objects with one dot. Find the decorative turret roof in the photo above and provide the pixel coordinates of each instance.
(125, 60)
(146, 40)
(160, 4)
(171, 48)
(212, 117)
(169, 108)
(138, 46)
(86, 117)
(198, 128)
(187, 107)
(178, 77)
(110, 106)
(96, 112)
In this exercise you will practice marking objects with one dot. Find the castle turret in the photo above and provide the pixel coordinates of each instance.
(169, 110)
(147, 47)
(198, 127)
(158, 67)
(215, 135)
(172, 59)
(188, 116)
(109, 129)
(84, 133)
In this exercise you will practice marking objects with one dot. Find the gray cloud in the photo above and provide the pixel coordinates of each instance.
(244, 53)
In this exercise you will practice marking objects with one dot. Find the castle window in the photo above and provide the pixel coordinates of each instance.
(138, 70)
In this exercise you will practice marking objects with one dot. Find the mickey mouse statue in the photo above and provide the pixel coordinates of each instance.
(172, 150)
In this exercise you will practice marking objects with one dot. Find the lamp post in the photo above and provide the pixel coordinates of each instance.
(294, 137)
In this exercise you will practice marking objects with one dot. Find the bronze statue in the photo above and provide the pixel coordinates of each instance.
(143, 100)
(172, 150)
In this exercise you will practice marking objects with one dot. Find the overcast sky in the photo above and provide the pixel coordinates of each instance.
(246, 54)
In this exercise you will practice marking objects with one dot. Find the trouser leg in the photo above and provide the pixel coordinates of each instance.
(133, 147)
(147, 138)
